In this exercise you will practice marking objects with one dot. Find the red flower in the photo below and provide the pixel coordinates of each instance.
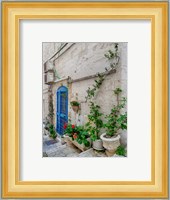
(75, 136)
(65, 125)
(73, 126)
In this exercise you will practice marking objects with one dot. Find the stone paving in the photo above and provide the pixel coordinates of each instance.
(57, 149)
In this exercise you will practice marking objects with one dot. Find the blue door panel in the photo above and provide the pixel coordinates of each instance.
(62, 109)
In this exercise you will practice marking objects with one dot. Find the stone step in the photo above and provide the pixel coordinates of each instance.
(63, 151)
(69, 150)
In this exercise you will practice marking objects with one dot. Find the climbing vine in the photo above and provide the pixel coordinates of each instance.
(50, 127)
(95, 122)
(116, 120)
(95, 117)
(98, 82)
(113, 56)
(50, 107)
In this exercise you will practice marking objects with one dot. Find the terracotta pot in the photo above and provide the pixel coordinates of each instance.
(75, 108)
(98, 145)
(110, 144)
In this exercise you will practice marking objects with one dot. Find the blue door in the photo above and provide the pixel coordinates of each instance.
(62, 109)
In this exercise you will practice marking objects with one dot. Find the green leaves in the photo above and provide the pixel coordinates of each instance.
(74, 103)
(110, 55)
(52, 131)
(121, 151)
(117, 91)
(50, 108)
(98, 83)
(81, 134)
(95, 121)
(116, 120)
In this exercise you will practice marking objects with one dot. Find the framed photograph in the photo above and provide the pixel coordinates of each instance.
(85, 100)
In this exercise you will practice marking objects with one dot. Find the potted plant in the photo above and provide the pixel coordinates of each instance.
(78, 136)
(94, 126)
(52, 131)
(116, 121)
(121, 151)
(75, 105)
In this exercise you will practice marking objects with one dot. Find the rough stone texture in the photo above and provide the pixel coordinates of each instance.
(92, 153)
(111, 146)
(69, 150)
(80, 60)
(59, 150)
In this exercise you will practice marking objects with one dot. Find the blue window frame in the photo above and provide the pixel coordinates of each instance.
(62, 109)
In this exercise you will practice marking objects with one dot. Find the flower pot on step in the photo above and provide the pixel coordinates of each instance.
(82, 147)
(110, 144)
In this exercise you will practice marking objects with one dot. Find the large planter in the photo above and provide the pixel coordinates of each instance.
(110, 144)
(82, 147)
(66, 139)
(98, 145)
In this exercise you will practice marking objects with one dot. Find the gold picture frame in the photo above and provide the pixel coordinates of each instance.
(12, 13)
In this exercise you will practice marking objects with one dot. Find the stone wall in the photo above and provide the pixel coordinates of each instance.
(86, 59)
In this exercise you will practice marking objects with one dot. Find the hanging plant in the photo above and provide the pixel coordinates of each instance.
(75, 105)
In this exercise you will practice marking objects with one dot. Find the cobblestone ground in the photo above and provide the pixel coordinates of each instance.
(53, 148)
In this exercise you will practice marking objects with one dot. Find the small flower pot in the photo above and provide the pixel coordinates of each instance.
(98, 145)
(110, 144)
(75, 108)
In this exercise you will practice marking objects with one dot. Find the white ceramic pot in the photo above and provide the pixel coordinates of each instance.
(98, 145)
(110, 144)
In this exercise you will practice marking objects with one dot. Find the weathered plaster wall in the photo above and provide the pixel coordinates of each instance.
(84, 59)
(48, 50)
